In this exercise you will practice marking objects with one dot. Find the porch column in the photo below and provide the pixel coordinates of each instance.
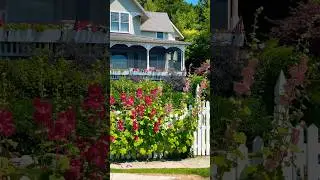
(148, 57)
(167, 62)
(235, 15)
(182, 61)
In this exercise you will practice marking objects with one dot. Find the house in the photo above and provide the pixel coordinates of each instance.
(143, 42)
(29, 24)
(226, 25)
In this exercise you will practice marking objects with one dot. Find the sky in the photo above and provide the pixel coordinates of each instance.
(192, 1)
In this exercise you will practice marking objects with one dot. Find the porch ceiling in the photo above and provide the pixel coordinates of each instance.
(129, 38)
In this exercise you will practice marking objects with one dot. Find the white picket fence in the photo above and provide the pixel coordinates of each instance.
(201, 143)
(306, 162)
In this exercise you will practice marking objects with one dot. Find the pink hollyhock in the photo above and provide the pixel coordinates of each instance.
(112, 100)
(186, 86)
(156, 127)
(139, 93)
(130, 101)
(153, 113)
(140, 110)
(133, 114)
(95, 90)
(74, 173)
(154, 92)
(148, 100)
(7, 128)
(135, 125)
(43, 112)
(120, 125)
(123, 97)
(112, 138)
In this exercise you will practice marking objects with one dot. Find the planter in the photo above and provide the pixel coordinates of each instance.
(82, 36)
(21, 35)
(99, 38)
(50, 35)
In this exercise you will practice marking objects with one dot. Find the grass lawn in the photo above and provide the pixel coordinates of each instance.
(204, 172)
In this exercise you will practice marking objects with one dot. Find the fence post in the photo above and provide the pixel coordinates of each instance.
(257, 146)
(312, 152)
(208, 128)
(242, 163)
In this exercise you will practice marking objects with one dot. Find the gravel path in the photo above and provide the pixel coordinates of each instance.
(197, 162)
(122, 176)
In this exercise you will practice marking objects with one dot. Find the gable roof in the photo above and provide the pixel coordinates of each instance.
(159, 22)
(140, 7)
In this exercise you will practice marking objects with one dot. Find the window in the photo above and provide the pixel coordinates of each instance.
(119, 22)
(160, 35)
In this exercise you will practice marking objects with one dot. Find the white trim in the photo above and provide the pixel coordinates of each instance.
(141, 8)
(180, 34)
(129, 22)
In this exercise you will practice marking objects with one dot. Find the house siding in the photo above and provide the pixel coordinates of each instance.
(153, 34)
(136, 25)
(124, 6)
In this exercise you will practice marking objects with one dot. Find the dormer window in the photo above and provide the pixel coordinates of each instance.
(160, 35)
(119, 22)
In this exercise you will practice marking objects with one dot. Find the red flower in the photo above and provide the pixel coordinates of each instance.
(43, 112)
(91, 103)
(130, 101)
(241, 88)
(148, 100)
(7, 127)
(153, 113)
(136, 138)
(120, 125)
(133, 114)
(57, 132)
(74, 173)
(95, 90)
(135, 125)
(168, 108)
(156, 127)
(112, 139)
(154, 92)
(139, 92)
(140, 110)
(123, 97)
(112, 100)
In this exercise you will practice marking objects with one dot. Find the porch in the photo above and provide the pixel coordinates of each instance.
(145, 57)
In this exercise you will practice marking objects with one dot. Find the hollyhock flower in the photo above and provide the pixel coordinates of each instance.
(120, 125)
(91, 103)
(123, 97)
(74, 173)
(95, 90)
(153, 113)
(112, 100)
(133, 114)
(140, 110)
(241, 88)
(136, 138)
(7, 128)
(43, 112)
(139, 93)
(130, 101)
(154, 92)
(187, 86)
(112, 138)
(148, 100)
(57, 132)
(156, 127)
(135, 125)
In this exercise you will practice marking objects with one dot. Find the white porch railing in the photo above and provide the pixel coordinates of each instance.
(116, 74)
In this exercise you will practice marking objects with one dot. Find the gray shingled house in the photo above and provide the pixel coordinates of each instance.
(144, 43)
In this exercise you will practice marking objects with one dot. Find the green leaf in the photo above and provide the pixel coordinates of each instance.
(282, 130)
(240, 138)
(220, 161)
(56, 177)
(63, 163)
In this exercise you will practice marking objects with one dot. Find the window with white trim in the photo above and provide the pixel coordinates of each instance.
(160, 35)
(119, 22)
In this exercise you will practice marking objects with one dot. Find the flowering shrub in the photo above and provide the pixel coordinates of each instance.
(144, 122)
